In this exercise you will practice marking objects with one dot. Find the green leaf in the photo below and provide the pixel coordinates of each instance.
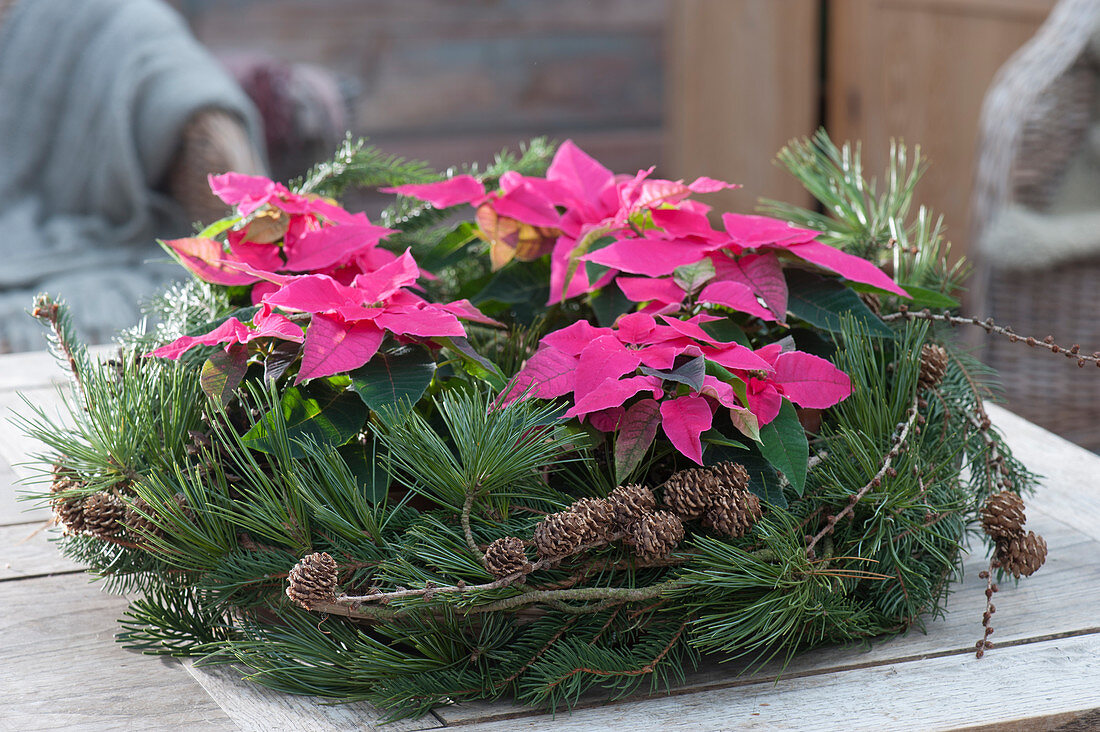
(823, 302)
(690, 373)
(218, 227)
(692, 276)
(763, 480)
(223, 371)
(727, 331)
(280, 359)
(316, 411)
(517, 284)
(714, 437)
(448, 250)
(368, 468)
(636, 433)
(922, 297)
(394, 380)
(783, 443)
(609, 303)
(475, 364)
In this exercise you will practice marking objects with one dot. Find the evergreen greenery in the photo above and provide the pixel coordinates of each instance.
(406, 495)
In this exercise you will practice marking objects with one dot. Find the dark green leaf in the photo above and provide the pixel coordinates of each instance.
(394, 381)
(448, 250)
(823, 302)
(926, 298)
(518, 283)
(317, 411)
(783, 443)
(763, 480)
(690, 373)
(475, 364)
(727, 331)
(609, 303)
(223, 371)
(369, 469)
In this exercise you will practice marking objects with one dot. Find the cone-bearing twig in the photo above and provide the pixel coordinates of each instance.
(598, 517)
(1003, 515)
(733, 512)
(630, 503)
(69, 510)
(1073, 352)
(933, 366)
(104, 514)
(560, 534)
(990, 588)
(1022, 555)
(656, 534)
(689, 492)
(506, 556)
(312, 580)
(895, 449)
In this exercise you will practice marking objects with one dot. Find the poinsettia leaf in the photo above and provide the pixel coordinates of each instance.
(522, 286)
(394, 381)
(726, 331)
(763, 480)
(922, 297)
(280, 359)
(595, 271)
(783, 442)
(823, 302)
(684, 419)
(609, 303)
(692, 276)
(636, 433)
(714, 437)
(218, 227)
(764, 274)
(690, 373)
(368, 469)
(810, 381)
(475, 364)
(317, 412)
(223, 371)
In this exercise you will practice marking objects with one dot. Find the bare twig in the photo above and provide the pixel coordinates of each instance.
(990, 587)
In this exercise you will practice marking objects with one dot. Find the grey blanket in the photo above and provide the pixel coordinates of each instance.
(93, 97)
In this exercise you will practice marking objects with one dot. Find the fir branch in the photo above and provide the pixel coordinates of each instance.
(896, 447)
(63, 341)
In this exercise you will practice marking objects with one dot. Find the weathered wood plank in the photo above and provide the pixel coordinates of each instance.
(12, 510)
(60, 669)
(255, 708)
(15, 446)
(1068, 489)
(26, 551)
(1062, 678)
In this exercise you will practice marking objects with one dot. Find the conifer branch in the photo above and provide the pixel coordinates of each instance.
(467, 506)
(886, 469)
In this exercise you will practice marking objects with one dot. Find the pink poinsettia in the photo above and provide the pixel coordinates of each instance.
(265, 324)
(287, 232)
(348, 321)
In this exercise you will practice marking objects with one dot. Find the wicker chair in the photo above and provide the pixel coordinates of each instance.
(1035, 122)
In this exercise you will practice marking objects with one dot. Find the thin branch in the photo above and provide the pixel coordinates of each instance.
(989, 326)
(470, 543)
(876, 481)
(646, 669)
(990, 587)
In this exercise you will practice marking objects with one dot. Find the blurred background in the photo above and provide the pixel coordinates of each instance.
(716, 88)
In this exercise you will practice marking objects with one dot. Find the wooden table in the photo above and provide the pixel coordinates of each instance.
(60, 669)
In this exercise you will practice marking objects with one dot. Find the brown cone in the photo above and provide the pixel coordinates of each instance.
(689, 492)
(312, 580)
(933, 365)
(733, 513)
(104, 514)
(656, 534)
(630, 503)
(731, 475)
(598, 516)
(69, 510)
(1003, 515)
(560, 534)
(1021, 555)
(506, 556)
